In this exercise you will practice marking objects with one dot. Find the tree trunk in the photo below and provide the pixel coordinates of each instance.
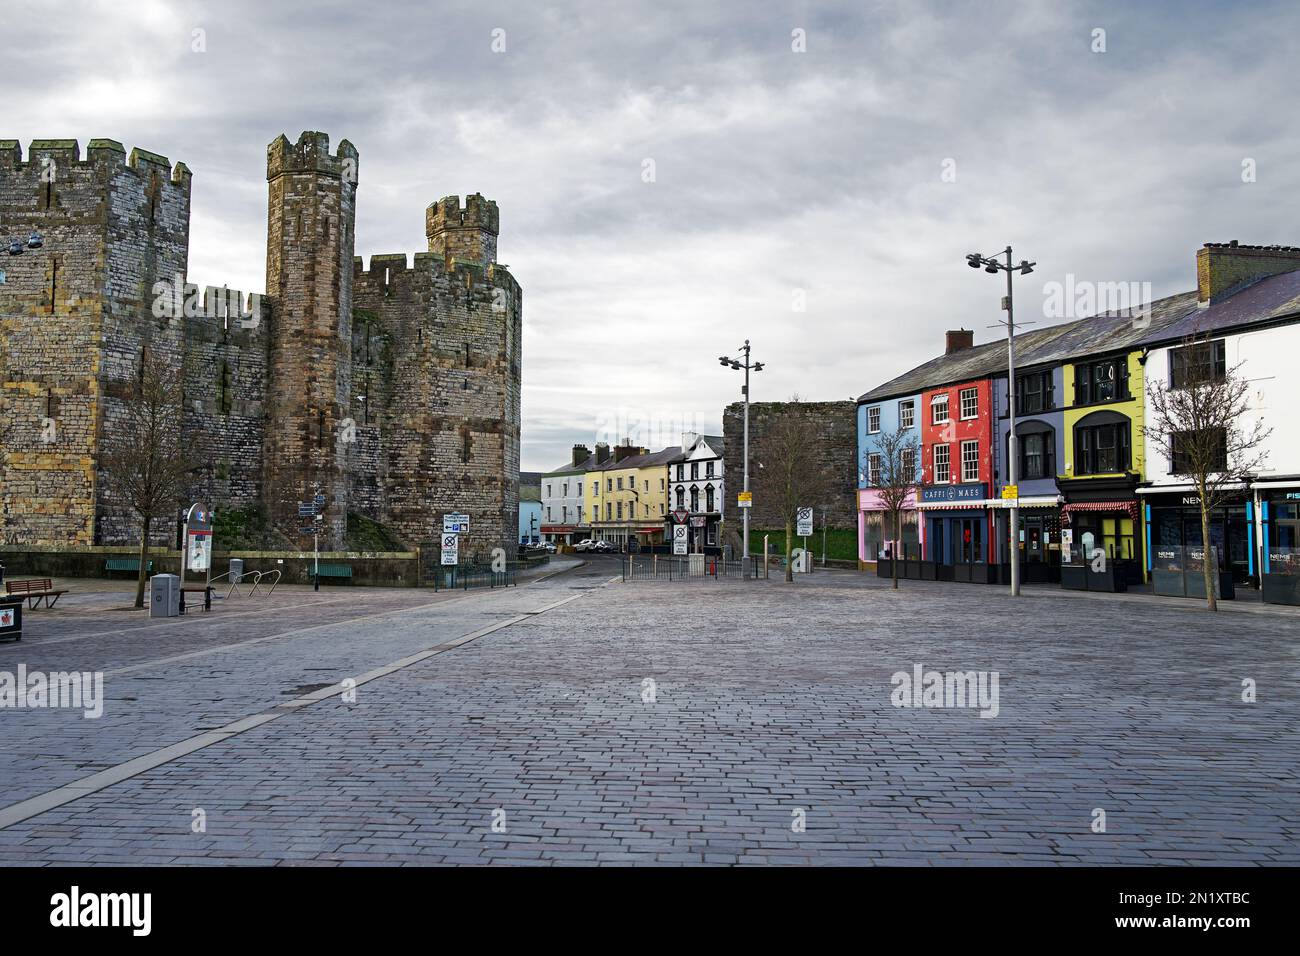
(893, 551)
(144, 561)
(789, 544)
(1209, 567)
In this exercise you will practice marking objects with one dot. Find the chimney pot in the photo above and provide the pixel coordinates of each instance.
(958, 340)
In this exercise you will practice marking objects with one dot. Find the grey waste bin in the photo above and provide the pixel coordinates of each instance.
(236, 570)
(164, 595)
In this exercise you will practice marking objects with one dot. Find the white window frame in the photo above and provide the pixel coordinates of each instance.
(903, 458)
(974, 395)
(971, 473)
(873, 469)
(947, 464)
(908, 420)
(873, 420)
(935, 403)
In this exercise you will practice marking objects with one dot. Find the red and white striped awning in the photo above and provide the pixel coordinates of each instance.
(1129, 508)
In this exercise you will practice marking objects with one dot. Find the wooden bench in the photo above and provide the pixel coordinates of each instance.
(126, 564)
(206, 591)
(343, 571)
(35, 589)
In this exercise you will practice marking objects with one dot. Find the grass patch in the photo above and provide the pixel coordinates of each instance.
(841, 543)
(246, 529)
(367, 535)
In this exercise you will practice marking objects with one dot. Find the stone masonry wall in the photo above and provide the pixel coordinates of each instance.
(833, 442)
(74, 321)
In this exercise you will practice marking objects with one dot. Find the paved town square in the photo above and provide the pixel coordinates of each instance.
(577, 719)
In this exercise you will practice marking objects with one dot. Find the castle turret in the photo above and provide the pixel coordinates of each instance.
(95, 235)
(309, 248)
(466, 235)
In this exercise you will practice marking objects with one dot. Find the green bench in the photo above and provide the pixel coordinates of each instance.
(342, 571)
(126, 564)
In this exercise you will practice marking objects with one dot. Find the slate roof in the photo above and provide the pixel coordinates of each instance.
(1050, 345)
(663, 457)
(569, 468)
(1264, 301)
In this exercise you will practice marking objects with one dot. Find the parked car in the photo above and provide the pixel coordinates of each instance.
(586, 544)
(604, 547)
(549, 546)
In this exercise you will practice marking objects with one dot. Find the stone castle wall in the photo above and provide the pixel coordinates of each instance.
(399, 399)
(832, 444)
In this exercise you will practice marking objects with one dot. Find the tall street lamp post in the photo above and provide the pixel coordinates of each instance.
(993, 266)
(757, 367)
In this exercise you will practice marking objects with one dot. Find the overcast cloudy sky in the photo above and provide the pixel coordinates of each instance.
(777, 173)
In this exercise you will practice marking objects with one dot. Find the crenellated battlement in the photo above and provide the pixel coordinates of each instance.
(106, 155)
(311, 154)
(446, 213)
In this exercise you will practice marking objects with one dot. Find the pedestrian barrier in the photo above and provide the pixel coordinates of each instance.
(657, 567)
(466, 576)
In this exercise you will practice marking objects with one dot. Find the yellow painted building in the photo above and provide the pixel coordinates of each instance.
(1104, 459)
(628, 495)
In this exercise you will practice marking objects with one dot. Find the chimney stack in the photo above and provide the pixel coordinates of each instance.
(580, 454)
(602, 452)
(958, 340)
(1223, 268)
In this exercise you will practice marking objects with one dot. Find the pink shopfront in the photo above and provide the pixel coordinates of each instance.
(876, 532)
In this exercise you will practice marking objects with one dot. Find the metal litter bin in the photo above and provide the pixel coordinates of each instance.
(164, 595)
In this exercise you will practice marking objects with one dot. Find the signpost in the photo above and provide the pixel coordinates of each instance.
(196, 549)
(679, 539)
(745, 499)
(451, 549)
(805, 522)
(454, 523)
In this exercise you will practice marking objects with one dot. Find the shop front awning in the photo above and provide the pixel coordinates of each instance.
(1128, 508)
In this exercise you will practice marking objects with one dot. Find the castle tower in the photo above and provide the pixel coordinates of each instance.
(309, 246)
(76, 321)
(467, 235)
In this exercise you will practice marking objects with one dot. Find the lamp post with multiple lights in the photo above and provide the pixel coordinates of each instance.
(738, 364)
(993, 266)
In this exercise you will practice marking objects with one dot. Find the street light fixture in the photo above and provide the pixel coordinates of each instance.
(993, 266)
(737, 364)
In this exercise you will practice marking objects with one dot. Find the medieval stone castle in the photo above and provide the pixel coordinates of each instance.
(393, 392)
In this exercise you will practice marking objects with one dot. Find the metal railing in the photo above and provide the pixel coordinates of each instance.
(657, 567)
(466, 576)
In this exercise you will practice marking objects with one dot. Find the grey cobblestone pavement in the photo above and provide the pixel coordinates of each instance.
(535, 744)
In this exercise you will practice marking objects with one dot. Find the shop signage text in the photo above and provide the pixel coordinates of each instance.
(971, 492)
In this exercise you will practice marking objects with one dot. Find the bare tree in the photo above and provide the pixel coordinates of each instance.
(148, 465)
(1201, 420)
(892, 474)
(792, 470)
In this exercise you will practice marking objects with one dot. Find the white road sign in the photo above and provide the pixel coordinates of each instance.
(455, 524)
(680, 542)
(451, 549)
(805, 516)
